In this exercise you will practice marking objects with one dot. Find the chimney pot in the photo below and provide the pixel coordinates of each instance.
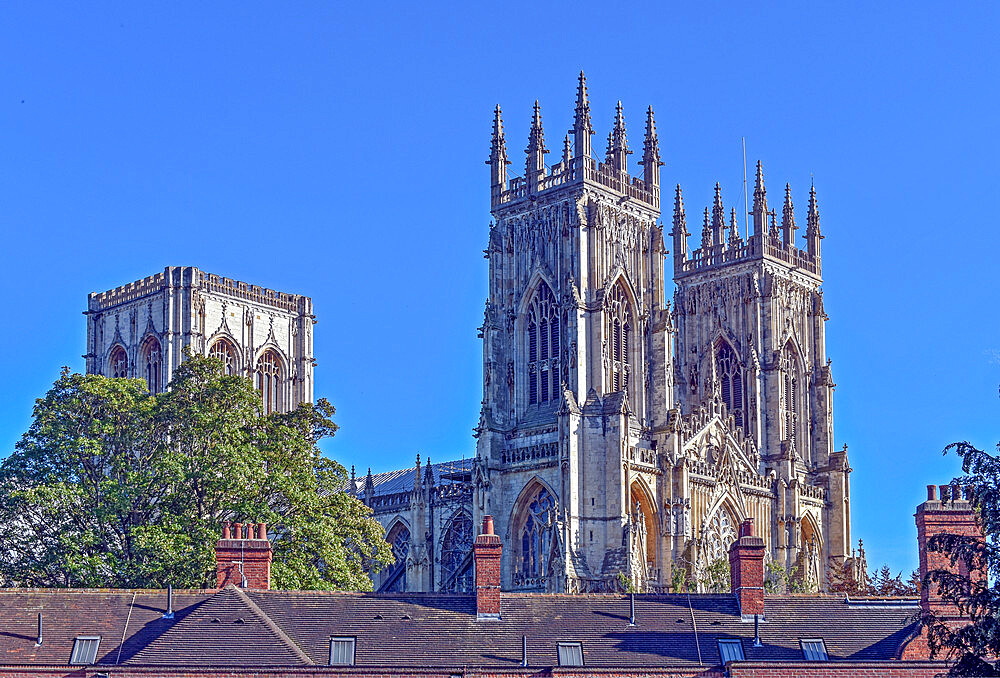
(746, 570)
(253, 557)
(225, 530)
(947, 517)
(931, 492)
(486, 552)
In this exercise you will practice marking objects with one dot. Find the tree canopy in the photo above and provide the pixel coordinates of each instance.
(112, 486)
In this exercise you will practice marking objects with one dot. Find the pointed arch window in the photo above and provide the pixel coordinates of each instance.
(152, 364)
(399, 541)
(224, 351)
(118, 362)
(730, 376)
(789, 394)
(269, 380)
(534, 529)
(456, 555)
(618, 333)
(543, 347)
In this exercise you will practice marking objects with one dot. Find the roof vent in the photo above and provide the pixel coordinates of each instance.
(215, 621)
(379, 617)
(240, 620)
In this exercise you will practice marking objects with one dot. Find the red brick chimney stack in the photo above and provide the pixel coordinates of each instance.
(486, 552)
(953, 513)
(746, 570)
(243, 555)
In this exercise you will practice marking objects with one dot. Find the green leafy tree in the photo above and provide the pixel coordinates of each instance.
(112, 486)
(715, 576)
(974, 647)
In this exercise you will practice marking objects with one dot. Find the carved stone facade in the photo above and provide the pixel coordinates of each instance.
(620, 435)
(141, 329)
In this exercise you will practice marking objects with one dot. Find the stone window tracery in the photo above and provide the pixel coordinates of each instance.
(456, 555)
(224, 351)
(118, 362)
(534, 530)
(730, 376)
(269, 380)
(543, 347)
(720, 535)
(618, 333)
(152, 364)
(399, 541)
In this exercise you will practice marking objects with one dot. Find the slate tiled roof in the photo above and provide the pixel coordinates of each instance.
(293, 628)
(402, 480)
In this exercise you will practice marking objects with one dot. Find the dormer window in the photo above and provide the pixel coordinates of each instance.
(813, 649)
(85, 650)
(570, 654)
(342, 651)
(731, 650)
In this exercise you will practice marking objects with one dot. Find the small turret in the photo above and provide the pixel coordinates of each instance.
(788, 226)
(428, 474)
(498, 153)
(651, 162)
(618, 150)
(759, 203)
(734, 230)
(534, 169)
(718, 218)
(369, 487)
(582, 128)
(813, 235)
(706, 233)
(679, 233)
(567, 155)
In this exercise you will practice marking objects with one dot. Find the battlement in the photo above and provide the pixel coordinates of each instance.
(189, 276)
(722, 244)
(578, 165)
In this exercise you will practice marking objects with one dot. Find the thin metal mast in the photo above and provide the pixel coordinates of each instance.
(746, 201)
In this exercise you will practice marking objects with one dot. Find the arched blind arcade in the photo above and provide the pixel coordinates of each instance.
(152, 365)
(730, 375)
(118, 362)
(789, 394)
(618, 333)
(224, 351)
(269, 381)
(543, 347)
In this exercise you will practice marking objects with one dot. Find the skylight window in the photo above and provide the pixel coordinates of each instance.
(342, 651)
(731, 650)
(570, 654)
(813, 649)
(85, 650)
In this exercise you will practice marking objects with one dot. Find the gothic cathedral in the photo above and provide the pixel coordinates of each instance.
(623, 438)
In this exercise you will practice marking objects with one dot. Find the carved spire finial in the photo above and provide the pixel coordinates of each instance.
(567, 155)
(535, 164)
(718, 218)
(416, 476)
(498, 160)
(706, 232)
(734, 229)
(582, 128)
(680, 232)
(813, 235)
(788, 226)
(369, 485)
(759, 202)
(651, 162)
(618, 142)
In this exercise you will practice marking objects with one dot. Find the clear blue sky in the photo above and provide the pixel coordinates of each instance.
(336, 150)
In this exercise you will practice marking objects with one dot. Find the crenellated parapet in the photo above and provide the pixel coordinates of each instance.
(722, 244)
(577, 164)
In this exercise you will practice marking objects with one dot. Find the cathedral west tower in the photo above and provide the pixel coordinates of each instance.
(622, 439)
